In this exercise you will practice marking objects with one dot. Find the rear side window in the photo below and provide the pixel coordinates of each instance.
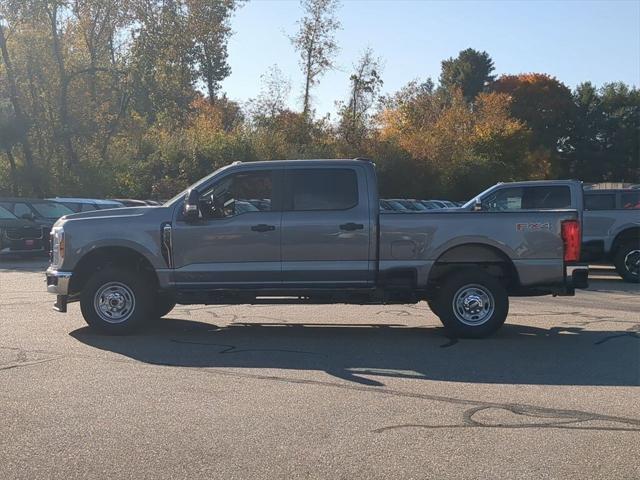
(600, 202)
(630, 200)
(528, 198)
(85, 207)
(322, 189)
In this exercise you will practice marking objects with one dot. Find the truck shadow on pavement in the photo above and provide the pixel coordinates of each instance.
(367, 354)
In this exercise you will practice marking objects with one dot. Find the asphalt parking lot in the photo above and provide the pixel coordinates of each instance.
(320, 391)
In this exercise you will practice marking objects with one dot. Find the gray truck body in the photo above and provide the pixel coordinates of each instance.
(612, 230)
(341, 253)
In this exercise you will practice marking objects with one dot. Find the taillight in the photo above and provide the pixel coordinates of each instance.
(571, 240)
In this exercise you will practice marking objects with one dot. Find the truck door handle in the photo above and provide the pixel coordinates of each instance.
(263, 228)
(351, 226)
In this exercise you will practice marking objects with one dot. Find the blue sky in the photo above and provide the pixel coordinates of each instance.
(574, 41)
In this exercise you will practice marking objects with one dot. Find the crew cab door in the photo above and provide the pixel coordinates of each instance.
(326, 227)
(236, 240)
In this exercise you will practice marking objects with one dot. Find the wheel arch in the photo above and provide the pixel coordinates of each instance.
(487, 257)
(629, 233)
(100, 257)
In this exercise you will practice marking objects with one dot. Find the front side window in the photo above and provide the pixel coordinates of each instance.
(323, 189)
(600, 201)
(528, 198)
(237, 194)
(630, 200)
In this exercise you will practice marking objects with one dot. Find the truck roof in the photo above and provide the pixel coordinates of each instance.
(95, 201)
(539, 182)
(307, 162)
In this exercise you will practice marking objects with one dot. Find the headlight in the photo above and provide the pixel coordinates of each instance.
(57, 246)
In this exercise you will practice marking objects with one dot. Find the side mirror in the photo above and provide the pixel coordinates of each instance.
(477, 205)
(191, 207)
(28, 216)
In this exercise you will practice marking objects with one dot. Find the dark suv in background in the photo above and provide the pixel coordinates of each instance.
(41, 213)
(19, 235)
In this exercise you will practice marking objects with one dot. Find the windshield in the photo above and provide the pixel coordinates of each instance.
(195, 185)
(52, 210)
(4, 213)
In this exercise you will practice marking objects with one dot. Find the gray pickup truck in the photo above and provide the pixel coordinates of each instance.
(309, 231)
(612, 230)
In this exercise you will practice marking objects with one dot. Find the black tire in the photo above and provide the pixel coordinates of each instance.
(626, 261)
(433, 305)
(164, 304)
(128, 293)
(486, 298)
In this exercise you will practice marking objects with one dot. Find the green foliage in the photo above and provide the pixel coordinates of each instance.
(105, 98)
(469, 72)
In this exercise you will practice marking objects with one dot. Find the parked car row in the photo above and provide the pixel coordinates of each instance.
(413, 205)
(25, 223)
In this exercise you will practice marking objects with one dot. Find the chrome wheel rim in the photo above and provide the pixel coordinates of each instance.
(473, 305)
(114, 302)
(632, 262)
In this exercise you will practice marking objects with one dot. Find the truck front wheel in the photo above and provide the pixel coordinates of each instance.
(472, 304)
(627, 262)
(164, 304)
(116, 300)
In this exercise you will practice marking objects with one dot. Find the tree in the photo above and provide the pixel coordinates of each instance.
(469, 72)
(16, 125)
(273, 97)
(546, 106)
(466, 146)
(365, 84)
(315, 43)
(604, 144)
(209, 23)
(162, 61)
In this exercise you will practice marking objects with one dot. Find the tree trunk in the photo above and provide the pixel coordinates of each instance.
(307, 86)
(12, 166)
(19, 113)
(65, 131)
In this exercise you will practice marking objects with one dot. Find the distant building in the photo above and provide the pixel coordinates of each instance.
(610, 186)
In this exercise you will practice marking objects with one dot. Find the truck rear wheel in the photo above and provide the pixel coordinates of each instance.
(116, 301)
(627, 262)
(472, 304)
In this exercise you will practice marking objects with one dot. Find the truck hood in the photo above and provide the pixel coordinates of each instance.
(111, 212)
(16, 223)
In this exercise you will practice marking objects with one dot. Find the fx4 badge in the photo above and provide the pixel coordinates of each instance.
(532, 227)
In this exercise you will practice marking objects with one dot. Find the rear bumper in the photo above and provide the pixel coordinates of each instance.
(576, 276)
(58, 281)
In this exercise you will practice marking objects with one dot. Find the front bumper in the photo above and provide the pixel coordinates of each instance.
(58, 281)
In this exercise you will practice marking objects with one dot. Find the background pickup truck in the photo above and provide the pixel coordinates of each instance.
(612, 230)
(309, 231)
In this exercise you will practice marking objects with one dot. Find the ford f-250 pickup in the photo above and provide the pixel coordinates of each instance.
(309, 231)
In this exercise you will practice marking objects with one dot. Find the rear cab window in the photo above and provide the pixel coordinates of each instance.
(600, 201)
(630, 200)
